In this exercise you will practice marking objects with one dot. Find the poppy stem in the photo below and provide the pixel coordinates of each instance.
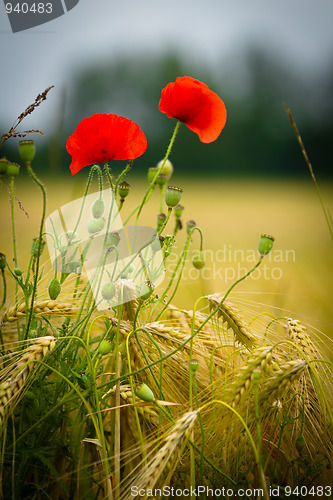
(126, 169)
(152, 184)
(39, 243)
(165, 222)
(107, 171)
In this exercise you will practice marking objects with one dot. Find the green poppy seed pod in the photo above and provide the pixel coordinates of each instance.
(160, 220)
(167, 168)
(199, 260)
(178, 211)
(190, 225)
(108, 291)
(161, 180)
(112, 239)
(157, 244)
(54, 289)
(151, 174)
(146, 290)
(34, 247)
(265, 244)
(173, 196)
(104, 347)
(2, 261)
(300, 443)
(13, 169)
(18, 271)
(95, 225)
(194, 364)
(3, 166)
(123, 189)
(98, 208)
(145, 393)
(27, 150)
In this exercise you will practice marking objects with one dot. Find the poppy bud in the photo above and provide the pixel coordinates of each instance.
(178, 211)
(108, 291)
(122, 348)
(160, 220)
(13, 169)
(300, 443)
(54, 289)
(157, 244)
(190, 225)
(29, 396)
(145, 393)
(199, 260)
(98, 208)
(173, 196)
(95, 225)
(169, 241)
(34, 247)
(104, 347)
(167, 168)
(265, 244)
(27, 150)
(2, 261)
(112, 239)
(18, 271)
(151, 174)
(146, 290)
(3, 166)
(194, 364)
(123, 189)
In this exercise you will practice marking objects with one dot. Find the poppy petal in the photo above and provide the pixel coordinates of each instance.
(105, 137)
(193, 103)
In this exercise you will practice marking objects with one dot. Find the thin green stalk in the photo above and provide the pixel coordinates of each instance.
(4, 288)
(107, 171)
(39, 183)
(152, 184)
(162, 191)
(182, 260)
(300, 142)
(201, 430)
(129, 375)
(256, 376)
(12, 181)
(165, 222)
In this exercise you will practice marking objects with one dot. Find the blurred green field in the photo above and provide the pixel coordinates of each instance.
(295, 279)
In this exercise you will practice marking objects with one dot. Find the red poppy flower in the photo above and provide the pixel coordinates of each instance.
(101, 138)
(193, 103)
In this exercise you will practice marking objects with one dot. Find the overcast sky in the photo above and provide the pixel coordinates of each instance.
(300, 30)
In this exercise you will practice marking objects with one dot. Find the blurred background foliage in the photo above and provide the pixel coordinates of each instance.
(257, 140)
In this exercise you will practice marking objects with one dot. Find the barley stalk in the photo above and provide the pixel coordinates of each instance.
(43, 307)
(243, 333)
(257, 361)
(296, 333)
(11, 387)
(168, 454)
(283, 379)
